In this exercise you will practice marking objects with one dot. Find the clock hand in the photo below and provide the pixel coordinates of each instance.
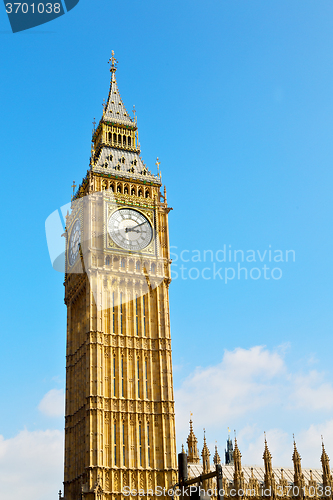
(141, 224)
(133, 228)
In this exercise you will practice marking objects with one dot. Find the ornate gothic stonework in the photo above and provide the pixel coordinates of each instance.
(119, 427)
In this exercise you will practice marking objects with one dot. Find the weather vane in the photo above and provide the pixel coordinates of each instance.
(158, 163)
(73, 186)
(113, 60)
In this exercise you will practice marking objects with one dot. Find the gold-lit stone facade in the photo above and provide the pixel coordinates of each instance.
(261, 482)
(119, 425)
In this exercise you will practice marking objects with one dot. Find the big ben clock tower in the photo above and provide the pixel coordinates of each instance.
(119, 424)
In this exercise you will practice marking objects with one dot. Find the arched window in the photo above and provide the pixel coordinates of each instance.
(128, 141)
(122, 159)
(153, 268)
(124, 140)
(133, 192)
(114, 376)
(138, 379)
(136, 315)
(115, 442)
(126, 190)
(118, 189)
(124, 447)
(140, 192)
(119, 138)
(147, 194)
(148, 442)
(140, 443)
(122, 377)
(146, 377)
(122, 263)
(121, 312)
(144, 308)
(107, 261)
(112, 187)
(138, 266)
(113, 330)
(110, 136)
(114, 137)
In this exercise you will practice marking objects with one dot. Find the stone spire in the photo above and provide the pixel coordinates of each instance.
(229, 451)
(312, 482)
(114, 109)
(267, 457)
(298, 476)
(238, 474)
(115, 142)
(253, 483)
(205, 456)
(325, 461)
(207, 483)
(216, 458)
(237, 458)
(192, 447)
(283, 483)
(269, 474)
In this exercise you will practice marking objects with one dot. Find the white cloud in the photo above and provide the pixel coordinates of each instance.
(253, 391)
(53, 403)
(312, 389)
(281, 445)
(244, 381)
(31, 465)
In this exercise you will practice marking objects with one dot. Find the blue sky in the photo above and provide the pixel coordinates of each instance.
(235, 98)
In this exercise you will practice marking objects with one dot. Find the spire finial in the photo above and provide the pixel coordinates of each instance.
(113, 61)
(265, 437)
(183, 451)
(158, 163)
(73, 186)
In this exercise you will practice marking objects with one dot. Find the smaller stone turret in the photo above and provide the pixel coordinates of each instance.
(269, 479)
(238, 474)
(298, 476)
(192, 447)
(205, 457)
(229, 451)
(327, 477)
(216, 458)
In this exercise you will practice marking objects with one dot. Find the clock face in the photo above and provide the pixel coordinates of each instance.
(130, 229)
(74, 242)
